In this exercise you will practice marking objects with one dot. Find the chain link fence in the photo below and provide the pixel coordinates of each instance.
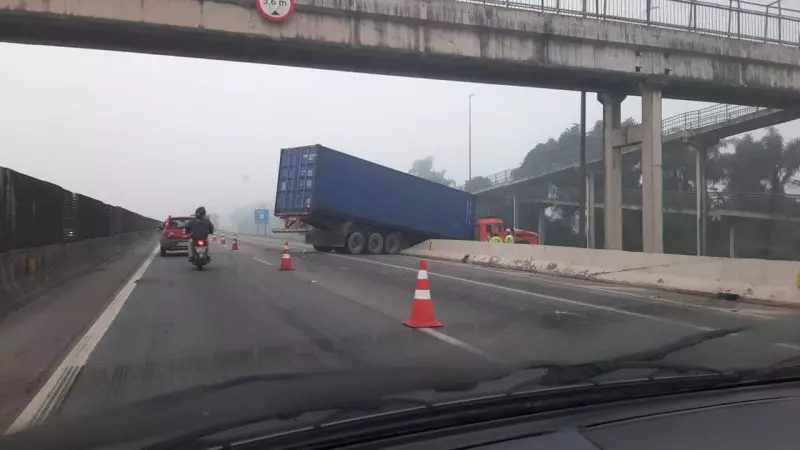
(35, 213)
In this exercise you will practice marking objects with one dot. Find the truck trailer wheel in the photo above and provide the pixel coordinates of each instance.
(391, 244)
(355, 243)
(375, 243)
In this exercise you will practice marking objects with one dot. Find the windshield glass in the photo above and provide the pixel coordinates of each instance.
(178, 223)
(386, 216)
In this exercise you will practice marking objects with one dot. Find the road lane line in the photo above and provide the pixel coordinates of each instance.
(55, 390)
(430, 332)
(611, 290)
(536, 294)
(458, 343)
(787, 345)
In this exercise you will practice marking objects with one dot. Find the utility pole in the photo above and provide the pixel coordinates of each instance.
(469, 171)
(582, 175)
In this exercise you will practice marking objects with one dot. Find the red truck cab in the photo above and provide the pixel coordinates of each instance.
(485, 228)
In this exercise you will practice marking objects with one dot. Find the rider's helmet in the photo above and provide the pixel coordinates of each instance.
(200, 212)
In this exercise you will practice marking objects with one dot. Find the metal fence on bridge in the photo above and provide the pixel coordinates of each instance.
(35, 213)
(735, 19)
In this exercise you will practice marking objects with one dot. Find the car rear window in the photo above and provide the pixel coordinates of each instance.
(178, 223)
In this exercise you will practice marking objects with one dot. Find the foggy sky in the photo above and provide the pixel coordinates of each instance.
(160, 135)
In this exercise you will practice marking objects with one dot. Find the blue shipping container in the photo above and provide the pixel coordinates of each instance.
(322, 183)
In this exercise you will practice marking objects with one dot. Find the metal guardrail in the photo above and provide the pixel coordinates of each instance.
(733, 19)
(690, 120)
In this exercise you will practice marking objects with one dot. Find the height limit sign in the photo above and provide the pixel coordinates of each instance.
(275, 10)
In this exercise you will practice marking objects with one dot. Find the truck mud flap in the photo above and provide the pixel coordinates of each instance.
(326, 238)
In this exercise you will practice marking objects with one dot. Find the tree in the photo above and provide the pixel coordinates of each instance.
(423, 168)
(766, 165)
(477, 183)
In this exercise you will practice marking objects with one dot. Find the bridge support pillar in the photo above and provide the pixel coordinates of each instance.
(612, 155)
(590, 217)
(652, 178)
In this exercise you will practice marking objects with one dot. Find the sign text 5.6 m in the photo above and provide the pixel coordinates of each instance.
(275, 10)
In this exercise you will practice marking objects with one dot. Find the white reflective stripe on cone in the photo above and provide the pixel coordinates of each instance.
(422, 295)
(285, 256)
(423, 275)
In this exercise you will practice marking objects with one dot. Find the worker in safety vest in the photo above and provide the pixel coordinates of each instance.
(509, 236)
(495, 239)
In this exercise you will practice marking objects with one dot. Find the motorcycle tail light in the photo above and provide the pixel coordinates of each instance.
(201, 243)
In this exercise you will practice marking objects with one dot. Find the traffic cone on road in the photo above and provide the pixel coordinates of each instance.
(222, 240)
(422, 309)
(286, 258)
(214, 238)
(235, 243)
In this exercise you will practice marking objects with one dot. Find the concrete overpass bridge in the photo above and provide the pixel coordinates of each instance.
(743, 55)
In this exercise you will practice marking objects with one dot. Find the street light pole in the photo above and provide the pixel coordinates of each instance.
(469, 171)
(582, 175)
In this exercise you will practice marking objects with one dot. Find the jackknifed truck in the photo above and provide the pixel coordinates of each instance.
(344, 203)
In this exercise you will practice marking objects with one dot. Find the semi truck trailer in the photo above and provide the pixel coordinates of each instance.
(344, 203)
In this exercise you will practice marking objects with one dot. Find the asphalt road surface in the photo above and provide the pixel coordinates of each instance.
(174, 327)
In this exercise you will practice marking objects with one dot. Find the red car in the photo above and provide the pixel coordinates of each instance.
(174, 236)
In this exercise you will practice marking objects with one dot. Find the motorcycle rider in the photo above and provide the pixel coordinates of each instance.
(200, 227)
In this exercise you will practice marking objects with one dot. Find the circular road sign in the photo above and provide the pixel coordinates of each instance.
(275, 10)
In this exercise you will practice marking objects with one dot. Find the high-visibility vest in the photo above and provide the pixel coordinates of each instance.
(510, 239)
(495, 240)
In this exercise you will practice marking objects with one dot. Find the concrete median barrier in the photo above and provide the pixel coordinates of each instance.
(27, 273)
(754, 279)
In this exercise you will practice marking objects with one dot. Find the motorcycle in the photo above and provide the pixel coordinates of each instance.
(200, 256)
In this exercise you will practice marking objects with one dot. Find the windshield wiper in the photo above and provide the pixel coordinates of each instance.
(564, 374)
(557, 374)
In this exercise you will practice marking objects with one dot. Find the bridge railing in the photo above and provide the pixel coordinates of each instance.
(705, 117)
(751, 202)
(734, 19)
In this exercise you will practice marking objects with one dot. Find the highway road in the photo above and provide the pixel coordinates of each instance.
(173, 327)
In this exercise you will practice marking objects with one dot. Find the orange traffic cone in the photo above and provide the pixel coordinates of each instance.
(214, 238)
(286, 258)
(222, 240)
(422, 310)
(235, 243)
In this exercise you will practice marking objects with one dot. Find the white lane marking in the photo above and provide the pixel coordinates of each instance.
(263, 262)
(614, 290)
(424, 295)
(544, 296)
(787, 345)
(50, 396)
(458, 343)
